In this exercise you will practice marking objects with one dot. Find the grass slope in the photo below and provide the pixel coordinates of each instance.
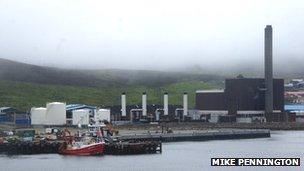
(21, 72)
(26, 95)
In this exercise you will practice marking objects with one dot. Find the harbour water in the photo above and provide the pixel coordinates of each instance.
(176, 156)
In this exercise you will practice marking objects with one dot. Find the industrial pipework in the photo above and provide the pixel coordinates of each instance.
(143, 109)
(185, 107)
(165, 108)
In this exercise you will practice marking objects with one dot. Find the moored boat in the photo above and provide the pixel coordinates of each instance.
(91, 144)
(83, 149)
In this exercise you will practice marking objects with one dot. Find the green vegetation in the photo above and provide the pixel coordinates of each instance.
(26, 95)
(24, 86)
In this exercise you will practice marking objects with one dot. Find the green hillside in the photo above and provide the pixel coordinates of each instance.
(24, 85)
(21, 72)
(26, 95)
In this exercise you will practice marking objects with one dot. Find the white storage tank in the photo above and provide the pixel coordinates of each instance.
(55, 113)
(102, 114)
(81, 116)
(38, 116)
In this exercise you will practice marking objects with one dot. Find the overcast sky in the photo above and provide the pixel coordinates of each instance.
(144, 34)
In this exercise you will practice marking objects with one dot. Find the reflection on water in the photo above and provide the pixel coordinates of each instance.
(176, 156)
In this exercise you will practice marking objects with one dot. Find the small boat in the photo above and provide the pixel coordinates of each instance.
(83, 146)
(81, 149)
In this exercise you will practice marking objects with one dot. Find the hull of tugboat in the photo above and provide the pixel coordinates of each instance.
(88, 150)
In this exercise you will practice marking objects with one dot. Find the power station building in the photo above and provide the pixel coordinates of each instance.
(247, 99)
(242, 97)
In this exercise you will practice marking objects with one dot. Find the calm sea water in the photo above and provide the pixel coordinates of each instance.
(176, 156)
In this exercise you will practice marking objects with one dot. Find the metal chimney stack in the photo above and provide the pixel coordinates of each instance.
(144, 104)
(166, 108)
(185, 104)
(268, 70)
(123, 104)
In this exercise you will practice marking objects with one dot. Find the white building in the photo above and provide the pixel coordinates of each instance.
(81, 117)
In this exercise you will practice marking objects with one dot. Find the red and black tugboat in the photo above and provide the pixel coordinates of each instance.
(86, 145)
(83, 149)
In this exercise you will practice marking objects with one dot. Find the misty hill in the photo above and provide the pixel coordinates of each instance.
(21, 72)
(24, 86)
(287, 69)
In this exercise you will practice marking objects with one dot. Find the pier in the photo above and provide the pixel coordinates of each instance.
(113, 148)
(140, 147)
(30, 147)
(136, 143)
(198, 136)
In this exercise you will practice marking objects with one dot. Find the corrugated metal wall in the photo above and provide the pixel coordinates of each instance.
(210, 101)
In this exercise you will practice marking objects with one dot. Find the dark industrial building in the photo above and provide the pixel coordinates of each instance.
(210, 100)
(241, 94)
(249, 94)
(248, 97)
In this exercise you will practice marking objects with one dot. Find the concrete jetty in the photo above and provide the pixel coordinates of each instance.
(197, 136)
(136, 143)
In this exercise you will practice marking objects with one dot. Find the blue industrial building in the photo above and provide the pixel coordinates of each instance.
(12, 115)
(294, 108)
(297, 110)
